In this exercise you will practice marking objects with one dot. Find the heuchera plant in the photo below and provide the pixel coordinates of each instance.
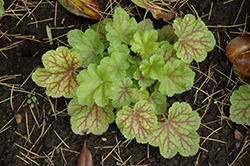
(240, 108)
(120, 70)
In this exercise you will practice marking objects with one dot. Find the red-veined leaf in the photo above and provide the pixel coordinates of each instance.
(137, 122)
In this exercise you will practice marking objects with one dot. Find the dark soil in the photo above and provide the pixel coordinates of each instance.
(221, 151)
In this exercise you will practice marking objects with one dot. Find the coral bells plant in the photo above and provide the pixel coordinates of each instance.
(123, 71)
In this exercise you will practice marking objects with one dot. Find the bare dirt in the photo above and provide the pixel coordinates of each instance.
(39, 139)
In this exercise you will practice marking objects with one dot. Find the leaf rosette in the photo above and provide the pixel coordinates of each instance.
(120, 64)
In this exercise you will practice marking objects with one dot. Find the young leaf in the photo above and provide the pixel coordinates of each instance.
(100, 28)
(240, 108)
(87, 45)
(94, 86)
(89, 119)
(122, 48)
(58, 76)
(195, 40)
(85, 158)
(145, 25)
(145, 43)
(85, 8)
(166, 33)
(122, 93)
(137, 122)
(177, 78)
(177, 133)
(159, 102)
(153, 67)
(115, 65)
(143, 81)
(121, 29)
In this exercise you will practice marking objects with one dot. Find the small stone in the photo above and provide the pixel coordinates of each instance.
(118, 163)
(237, 144)
(104, 139)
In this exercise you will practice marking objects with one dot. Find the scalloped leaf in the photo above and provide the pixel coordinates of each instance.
(168, 52)
(122, 93)
(100, 28)
(159, 102)
(145, 25)
(121, 29)
(137, 122)
(58, 76)
(122, 48)
(87, 45)
(94, 86)
(85, 8)
(177, 78)
(178, 132)
(240, 108)
(115, 65)
(143, 81)
(90, 119)
(145, 43)
(153, 67)
(195, 40)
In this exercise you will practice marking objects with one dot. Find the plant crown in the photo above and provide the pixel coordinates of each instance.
(130, 67)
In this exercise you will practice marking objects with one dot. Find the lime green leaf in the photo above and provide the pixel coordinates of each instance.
(240, 108)
(143, 81)
(195, 40)
(167, 51)
(100, 28)
(137, 122)
(87, 45)
(145, 25)
(178, 132)
(58, 76)
(90, 119)
(177, 78)
(122, 48)
(116, 65)
(159, 102)
(1, 7)
(122, 29)
(166, 33)
(122, 93)
(153, 67)
(94, 86)
(145, 43)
